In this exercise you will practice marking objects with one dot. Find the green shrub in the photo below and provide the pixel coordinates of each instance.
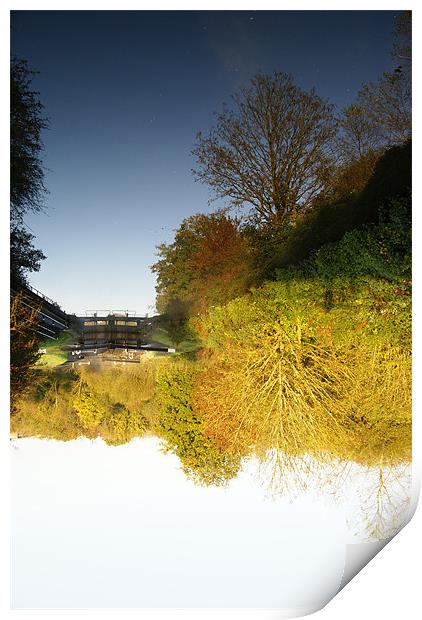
(129, 385)
(121, 426)
(381, 251)
(303, 369)
(385, 200)
(46, 410)
(108, 403)
(183, 431)
(89, 409)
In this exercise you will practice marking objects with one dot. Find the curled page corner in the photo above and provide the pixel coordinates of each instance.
(357, 556)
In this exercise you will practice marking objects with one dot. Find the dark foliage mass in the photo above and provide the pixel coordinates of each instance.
(392, 177)
(24, 256)
(328, 223)
(26, 124)
(23, 346)
(27, 189)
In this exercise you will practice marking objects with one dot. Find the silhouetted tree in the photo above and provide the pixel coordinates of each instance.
(26, 170)
(381, 116)
(402, 48)
(26, 124)
(358, 134)
(387, 107)
(271, 151)
(23, 255)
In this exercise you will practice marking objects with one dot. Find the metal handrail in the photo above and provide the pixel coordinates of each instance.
(102, 313)
(35, 290)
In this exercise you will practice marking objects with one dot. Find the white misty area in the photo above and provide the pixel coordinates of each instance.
(101, 526)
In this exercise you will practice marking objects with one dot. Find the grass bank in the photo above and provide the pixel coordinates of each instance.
(54, 356)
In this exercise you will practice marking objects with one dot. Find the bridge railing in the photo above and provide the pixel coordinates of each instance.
(37, 292)
(95, 313)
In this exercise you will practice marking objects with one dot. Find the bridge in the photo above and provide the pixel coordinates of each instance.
(51, 318)
(97, 332)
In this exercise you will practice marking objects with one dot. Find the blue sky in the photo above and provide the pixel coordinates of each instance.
(126, 92)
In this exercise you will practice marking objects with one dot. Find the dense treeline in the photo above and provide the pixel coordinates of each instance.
(317, 362)
(329, 222)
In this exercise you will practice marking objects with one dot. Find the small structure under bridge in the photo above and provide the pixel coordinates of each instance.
(114, 336)
(114, 328)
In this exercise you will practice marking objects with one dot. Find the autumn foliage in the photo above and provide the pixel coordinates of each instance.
(208, 264)
(23, 345)
(221, 265)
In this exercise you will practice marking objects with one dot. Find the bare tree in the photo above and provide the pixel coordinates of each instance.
(271, 150)
(402, 48)
(27, 123)
(358, 134)
(387, 105)
(381, 116)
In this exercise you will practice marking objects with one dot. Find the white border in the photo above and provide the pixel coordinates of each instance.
(389, 586)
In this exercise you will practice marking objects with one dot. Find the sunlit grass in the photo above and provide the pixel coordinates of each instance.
(54, 356)
(161, 336)
(52, 359)
(62, 339)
